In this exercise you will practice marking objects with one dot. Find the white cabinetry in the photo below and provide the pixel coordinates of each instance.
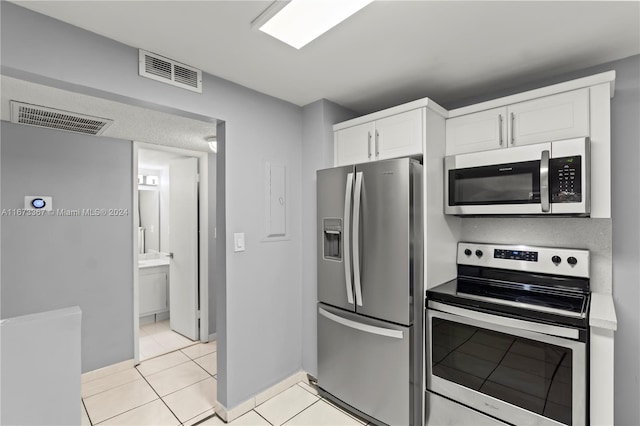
(546, 119)
(479, 131)
(398, 135)
(353, 144)
(154, 290)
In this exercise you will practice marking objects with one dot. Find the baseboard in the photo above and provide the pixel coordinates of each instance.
(213, 337)
(106, 371)
(230, 414)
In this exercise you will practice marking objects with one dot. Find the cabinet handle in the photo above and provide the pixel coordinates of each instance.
(500, 128)
(369, 144)
(513, 128)
(377, 139)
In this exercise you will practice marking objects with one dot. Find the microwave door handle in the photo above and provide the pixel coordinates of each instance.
(544, 182)
(356, 238)
(347, 237)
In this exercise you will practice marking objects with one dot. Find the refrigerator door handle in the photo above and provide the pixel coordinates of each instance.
(356, 238)
(347, 239)
(380, 331)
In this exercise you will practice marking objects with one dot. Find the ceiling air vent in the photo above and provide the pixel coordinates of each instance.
(159, 68)
(40, 116)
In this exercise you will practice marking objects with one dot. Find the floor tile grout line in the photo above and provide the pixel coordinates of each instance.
(113, 387)
(125, 411)
(205, 419)
(192, 384)
(301, 411)
(314, 394)
(164, 369)
(199, 414)
(163, 401)
(193, 359)
(86, 411)
(205, 370)
(265, 419)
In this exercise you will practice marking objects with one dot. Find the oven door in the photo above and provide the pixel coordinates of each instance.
(518, 371)
(505, 181)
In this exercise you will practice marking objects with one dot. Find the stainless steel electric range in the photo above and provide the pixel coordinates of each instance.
(507, 340)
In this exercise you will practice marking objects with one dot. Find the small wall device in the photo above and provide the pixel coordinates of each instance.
(38, 202)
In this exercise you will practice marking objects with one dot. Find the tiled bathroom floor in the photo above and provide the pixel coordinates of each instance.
(157, 338)
(179, 388)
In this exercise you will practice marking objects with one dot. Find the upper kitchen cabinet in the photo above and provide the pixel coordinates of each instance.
(475, 132)
(399, 135)
(396, 132)
(549, 118)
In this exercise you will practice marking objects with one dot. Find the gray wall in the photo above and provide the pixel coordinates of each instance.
(33, 377)
(259, 306)
(625, 234)
(55, 262)
(317, 153)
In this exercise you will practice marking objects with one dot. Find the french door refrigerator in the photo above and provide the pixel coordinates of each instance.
(370, 290)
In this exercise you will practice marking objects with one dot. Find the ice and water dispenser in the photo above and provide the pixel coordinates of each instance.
(332, 231)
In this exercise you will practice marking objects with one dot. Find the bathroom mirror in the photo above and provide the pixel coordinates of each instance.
(149, 206)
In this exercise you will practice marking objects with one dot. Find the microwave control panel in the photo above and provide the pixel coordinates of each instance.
(565, 178)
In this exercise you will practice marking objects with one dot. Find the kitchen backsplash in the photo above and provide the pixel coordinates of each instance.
(585, 233)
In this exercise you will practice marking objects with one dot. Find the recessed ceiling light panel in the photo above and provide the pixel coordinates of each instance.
(301, 21)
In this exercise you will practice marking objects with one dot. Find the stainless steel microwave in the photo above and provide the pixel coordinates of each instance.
(540, 179)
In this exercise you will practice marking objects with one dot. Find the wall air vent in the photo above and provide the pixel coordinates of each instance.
(40, 116)
(159, 68)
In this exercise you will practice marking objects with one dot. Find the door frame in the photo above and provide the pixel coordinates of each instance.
(203, 246)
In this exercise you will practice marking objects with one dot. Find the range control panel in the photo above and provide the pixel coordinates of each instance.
(547, 260)
(529, 256)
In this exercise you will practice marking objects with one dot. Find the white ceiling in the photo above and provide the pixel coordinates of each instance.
(389, 53)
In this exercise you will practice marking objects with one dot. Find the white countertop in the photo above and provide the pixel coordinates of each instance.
(603, 313)
(150, 263)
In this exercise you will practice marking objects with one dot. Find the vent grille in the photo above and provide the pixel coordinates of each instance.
(169, 71)
(40, 116)
(157, 67)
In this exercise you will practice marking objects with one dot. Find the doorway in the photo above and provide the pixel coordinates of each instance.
(170, 201)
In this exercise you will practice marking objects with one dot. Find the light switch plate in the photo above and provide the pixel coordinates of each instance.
(238, 241)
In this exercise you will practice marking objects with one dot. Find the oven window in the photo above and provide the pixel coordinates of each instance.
(530, 374)
(517, 183)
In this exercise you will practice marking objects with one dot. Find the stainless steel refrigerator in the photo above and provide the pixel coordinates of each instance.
(370, 289)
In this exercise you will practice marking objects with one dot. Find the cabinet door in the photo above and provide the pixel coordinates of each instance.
(354, 144)
(153, 293)
(399, 135)
(479, 131)
(552, 118)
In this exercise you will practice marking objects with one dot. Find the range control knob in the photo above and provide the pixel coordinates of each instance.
(467, 252)
(572, 260)
(556, 259)
(479, 253)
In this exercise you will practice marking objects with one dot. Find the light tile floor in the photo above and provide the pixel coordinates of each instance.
(179, 388)
(157, 338)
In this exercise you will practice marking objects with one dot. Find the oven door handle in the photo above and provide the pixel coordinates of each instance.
(534, 327)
